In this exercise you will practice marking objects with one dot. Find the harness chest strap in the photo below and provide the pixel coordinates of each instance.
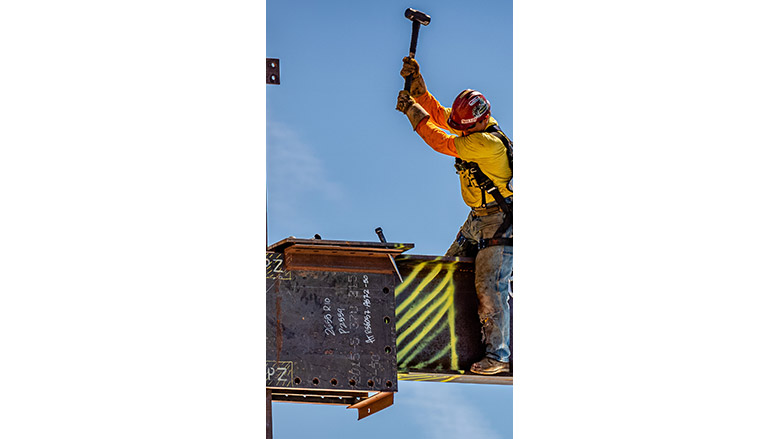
(487, 185)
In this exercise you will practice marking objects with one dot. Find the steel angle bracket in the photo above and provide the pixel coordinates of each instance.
(272, 71)
(373, 404)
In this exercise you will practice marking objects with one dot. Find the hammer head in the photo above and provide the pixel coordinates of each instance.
(417, 16)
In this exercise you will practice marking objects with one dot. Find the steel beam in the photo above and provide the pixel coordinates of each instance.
(331, 315)
(438, 334)
(340, 325)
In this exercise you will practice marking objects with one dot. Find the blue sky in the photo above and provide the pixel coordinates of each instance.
(342, 161)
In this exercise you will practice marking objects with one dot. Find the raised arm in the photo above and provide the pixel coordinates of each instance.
(422, 96)
(421, 122)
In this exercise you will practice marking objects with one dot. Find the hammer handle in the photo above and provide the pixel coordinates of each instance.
(415, 31)
(412, 50)
(408, 83)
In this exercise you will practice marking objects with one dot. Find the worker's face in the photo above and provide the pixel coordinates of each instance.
(480, 126)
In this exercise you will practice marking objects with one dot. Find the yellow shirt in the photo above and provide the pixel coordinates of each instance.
(483, 148)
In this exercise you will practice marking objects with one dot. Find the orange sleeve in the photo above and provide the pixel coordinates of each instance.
(436, 138)
(438, 112)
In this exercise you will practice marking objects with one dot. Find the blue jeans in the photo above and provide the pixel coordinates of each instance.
(492, 274)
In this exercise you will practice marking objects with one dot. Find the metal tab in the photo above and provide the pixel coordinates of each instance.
(272, 70)
(375, 403)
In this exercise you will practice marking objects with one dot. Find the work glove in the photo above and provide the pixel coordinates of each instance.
(414, 111)
(412, 68)
(405, 101)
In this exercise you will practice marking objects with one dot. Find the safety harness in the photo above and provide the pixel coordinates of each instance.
(487, 186)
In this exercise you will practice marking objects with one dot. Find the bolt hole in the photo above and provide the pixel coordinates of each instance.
(370, 383)
(297, 380)
(385, 290)
(389, 384)
(352, 382)
(315, 381)
(387, 320)
(273, 65)
(334, 381)
(388, 349)
(273, 77)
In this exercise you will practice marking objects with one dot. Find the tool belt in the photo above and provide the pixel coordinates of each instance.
(484, 243)
(489, 209)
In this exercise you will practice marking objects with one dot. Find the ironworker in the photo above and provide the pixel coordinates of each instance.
(483, 159)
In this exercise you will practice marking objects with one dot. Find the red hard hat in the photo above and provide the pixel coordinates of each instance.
(469, 108)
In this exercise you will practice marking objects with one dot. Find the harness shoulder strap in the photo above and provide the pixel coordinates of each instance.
(496, 131)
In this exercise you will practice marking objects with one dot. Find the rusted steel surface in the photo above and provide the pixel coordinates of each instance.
(272, 71)
(438, 330)
(335, 260)
(433, 331)
(375, 403)
(280, 246)
(269, 427)
(330, 321)
(310, 396)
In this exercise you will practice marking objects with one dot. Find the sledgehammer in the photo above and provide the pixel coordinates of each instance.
(417, 18)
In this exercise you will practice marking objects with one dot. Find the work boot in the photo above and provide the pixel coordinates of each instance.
(489, 366)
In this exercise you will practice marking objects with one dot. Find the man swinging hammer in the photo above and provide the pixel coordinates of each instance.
(483, 158)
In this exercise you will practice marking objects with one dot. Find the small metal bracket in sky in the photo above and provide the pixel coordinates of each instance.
(272, 71)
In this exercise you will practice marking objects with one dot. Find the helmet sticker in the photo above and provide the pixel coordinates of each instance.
(480, 108)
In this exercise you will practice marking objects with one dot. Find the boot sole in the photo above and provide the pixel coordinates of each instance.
(489, 372)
